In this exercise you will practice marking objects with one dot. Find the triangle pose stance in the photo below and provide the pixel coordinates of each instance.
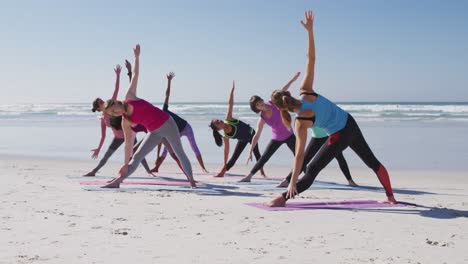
(113, 123)
(160, 125)
(316, 110)
(235, 129)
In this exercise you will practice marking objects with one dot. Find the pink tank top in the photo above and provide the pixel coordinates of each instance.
(146, 114)
(278, 129)
(117, 133)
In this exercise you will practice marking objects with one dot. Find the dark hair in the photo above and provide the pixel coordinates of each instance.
(96, 103)
(116, 122)
(253, 103)
(217, 137)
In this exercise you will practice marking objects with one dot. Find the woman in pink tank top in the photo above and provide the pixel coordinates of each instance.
(270, 115)
(117, 141)
(159, 124)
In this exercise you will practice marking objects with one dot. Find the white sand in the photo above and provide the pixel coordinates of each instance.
(48, 218)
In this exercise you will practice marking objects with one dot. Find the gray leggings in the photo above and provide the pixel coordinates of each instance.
(115, 144)
(169, 132)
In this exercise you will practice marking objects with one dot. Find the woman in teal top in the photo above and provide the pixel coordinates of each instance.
(234, 129)
(315, 110)
(319, 137)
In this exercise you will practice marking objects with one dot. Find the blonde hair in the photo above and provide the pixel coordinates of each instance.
(285, 103)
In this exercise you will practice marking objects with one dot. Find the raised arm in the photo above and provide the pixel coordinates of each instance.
(131, 93)
(231, 102)
(117, 71)
(286, 87)
(128, 65)
(169, 76)
(308, 81)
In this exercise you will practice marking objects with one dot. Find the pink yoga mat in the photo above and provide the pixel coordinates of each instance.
(149, 182)
(293, 206)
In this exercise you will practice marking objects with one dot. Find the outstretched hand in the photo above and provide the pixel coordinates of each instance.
(309, 20)
(117, 69)
(296, 76)
(170, 76)
(128, 65)
(95, 153)
(136, 51)
(292, 191)
(233, 85)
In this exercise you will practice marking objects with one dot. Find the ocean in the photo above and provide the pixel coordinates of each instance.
(402, 135)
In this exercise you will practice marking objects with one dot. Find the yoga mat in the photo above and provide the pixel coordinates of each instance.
(294, 206)
(255, 182)
(313, 186)
(133, 188)
(130, 182)
(109, 177)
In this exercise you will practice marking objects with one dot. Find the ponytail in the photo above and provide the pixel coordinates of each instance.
(217, 137)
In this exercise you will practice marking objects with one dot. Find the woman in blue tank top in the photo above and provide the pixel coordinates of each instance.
(316, 110)
(235, 129)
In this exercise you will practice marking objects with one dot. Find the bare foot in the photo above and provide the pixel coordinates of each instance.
(150, 173)
(155, 169)
(277, 202)
(90, 174)
(262, 172)
(193, 184)
(352, 183)
(390, 200)
(220, 175)
(284, 183)
(205, 171)
(246, 179)
(113, 184)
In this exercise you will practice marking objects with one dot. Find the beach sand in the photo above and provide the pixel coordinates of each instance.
(48, 218)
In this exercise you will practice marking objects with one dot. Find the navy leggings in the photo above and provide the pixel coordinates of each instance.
(350, 136)
(314, 146)
(240, 146)
(271, 148)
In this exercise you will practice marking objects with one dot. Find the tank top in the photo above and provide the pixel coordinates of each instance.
(328, 115)
(279, 131)
(317, 132)
(146, 114)
(240, 130)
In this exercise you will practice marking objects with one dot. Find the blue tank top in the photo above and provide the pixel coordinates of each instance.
(328, 115)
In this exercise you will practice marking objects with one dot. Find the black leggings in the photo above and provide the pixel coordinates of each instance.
(240, 146)
(314, 146)
(350, 136)
(271, 148)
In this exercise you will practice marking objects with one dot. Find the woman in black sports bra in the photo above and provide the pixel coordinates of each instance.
(235, 129)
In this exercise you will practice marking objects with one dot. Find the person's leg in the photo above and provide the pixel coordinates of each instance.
(257, 155)
(237, 151)
(312, 148)
(115, 144)
(188, 132)
(344, 168)
(171, 134)
(271, 148)
(291, 143)
(149, 142)
(359, 145)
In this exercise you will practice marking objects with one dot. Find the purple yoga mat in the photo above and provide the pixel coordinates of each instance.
(150, 182)
(293, 206)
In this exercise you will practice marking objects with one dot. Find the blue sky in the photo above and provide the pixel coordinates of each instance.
(369, 50)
